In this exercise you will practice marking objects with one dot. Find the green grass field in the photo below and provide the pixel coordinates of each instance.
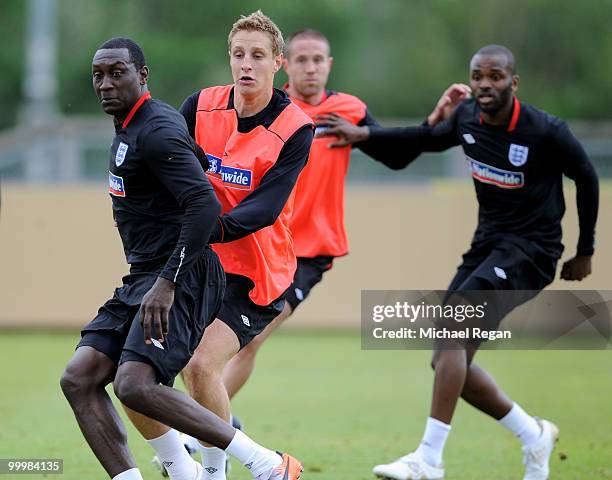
(338, 408)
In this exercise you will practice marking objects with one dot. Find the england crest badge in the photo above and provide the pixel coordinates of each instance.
(518, 154)
(121, 153)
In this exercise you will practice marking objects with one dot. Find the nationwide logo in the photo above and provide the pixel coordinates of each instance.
(238, 178)
(115, 185)
(496, 176)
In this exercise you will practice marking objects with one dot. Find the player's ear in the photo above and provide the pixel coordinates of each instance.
(515, 83)
(278, 62)
(330, 61)
(143, 73)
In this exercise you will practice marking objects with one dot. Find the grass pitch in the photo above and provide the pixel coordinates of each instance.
(339, 409)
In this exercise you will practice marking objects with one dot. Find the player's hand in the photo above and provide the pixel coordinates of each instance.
(576, 268)
(333, 125)
(448, 103)
(155, 309)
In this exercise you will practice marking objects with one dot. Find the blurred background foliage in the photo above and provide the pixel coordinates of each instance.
(398, 55)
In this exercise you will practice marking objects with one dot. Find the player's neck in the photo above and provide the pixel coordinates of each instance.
(247, 106)
(502, 117)
(309, 99)
(119, 118)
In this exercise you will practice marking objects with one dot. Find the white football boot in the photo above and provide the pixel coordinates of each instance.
(537, 455)
(409, 467)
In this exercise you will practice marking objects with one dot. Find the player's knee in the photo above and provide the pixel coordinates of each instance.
(75, 381)
(447, 352)
(434, 360)
(436, 357)
(131, 393)
(69, 383)
(201, 370)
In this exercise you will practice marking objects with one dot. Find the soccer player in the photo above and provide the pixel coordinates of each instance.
(165, 210)
(257, 143)
(317, 223)
(517, 155)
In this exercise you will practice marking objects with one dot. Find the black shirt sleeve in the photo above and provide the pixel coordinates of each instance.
(188, 111)
(169, 154)
(262, 207)
(398, 147)
(577, 166)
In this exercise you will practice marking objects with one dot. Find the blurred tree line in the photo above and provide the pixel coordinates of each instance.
(398, 55)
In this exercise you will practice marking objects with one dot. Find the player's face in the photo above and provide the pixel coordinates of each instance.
(308, 65)
(116, 81)
(253, 63)
(492, 82)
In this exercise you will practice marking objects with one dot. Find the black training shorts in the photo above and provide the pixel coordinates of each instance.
(510, 263)
(309, 272)
(245, 318)
(116, 330)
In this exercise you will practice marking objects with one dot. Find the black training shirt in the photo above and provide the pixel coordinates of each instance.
(517, 171)
(261, 207)
(163, 204)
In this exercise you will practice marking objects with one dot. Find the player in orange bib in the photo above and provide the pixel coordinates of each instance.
(317, 223)
(257, 143)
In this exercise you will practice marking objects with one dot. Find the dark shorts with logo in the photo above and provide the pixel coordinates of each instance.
(520, 267)
(116, 330)
(309, 272)
(245, 318)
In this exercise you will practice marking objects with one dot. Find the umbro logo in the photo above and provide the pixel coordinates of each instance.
(157, 343)
(211, 470)
(245, 320)
(500, 272)
(167, 464)
(469, 138)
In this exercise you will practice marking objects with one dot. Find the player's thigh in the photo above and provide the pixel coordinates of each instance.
(196, 300)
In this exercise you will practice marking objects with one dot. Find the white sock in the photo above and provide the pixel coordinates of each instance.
(253, 456)
(432, 444)
(522, 425)
(171, 452)
(213, 461)
(131, 474)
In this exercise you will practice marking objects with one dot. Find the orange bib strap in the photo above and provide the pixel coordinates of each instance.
(214, 98)
(291, 119)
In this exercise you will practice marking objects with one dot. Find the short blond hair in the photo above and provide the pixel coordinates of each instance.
(258, 22)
